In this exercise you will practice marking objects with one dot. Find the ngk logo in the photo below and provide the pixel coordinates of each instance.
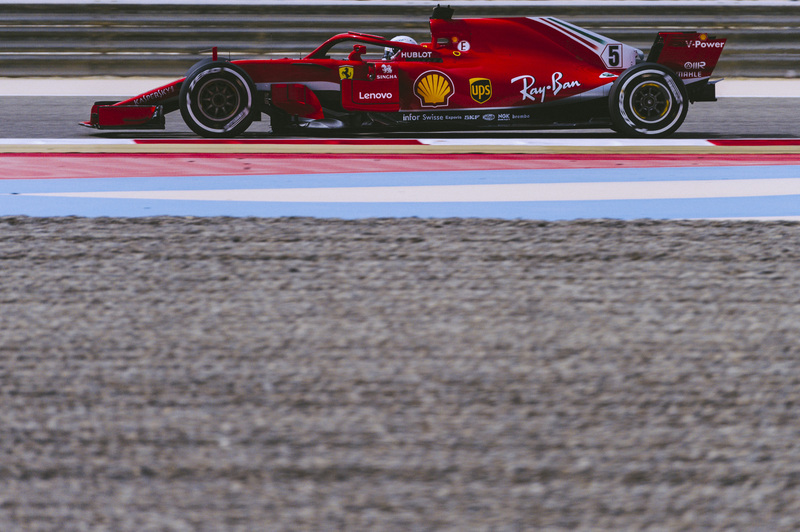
(694, 65)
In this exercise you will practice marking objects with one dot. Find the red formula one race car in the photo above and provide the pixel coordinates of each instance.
(474, 74)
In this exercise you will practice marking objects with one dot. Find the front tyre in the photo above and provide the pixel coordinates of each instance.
(648, 100)
(218, 100)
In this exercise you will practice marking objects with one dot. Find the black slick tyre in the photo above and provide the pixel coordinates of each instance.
(218, 100)
(648, 100)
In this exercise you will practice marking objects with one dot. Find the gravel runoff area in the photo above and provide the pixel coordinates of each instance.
(170, 374)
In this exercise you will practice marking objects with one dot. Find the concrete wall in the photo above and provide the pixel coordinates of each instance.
(68, 39)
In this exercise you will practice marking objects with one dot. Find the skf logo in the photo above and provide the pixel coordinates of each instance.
(346, 72)
(433, 89)
(480, 89)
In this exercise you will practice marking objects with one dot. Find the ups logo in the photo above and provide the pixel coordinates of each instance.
(480, 89)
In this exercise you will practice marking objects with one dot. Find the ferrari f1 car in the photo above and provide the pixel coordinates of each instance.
(481, 73)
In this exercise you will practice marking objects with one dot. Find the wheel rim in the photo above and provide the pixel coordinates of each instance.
(648, 100)
(651, 102)
(218, 100)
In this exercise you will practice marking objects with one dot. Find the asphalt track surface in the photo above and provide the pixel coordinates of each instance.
(58, 117)
(185, 373)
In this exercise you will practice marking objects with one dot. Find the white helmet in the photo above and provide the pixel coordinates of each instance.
(389, 52)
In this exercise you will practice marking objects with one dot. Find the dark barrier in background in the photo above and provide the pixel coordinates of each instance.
(135, 40)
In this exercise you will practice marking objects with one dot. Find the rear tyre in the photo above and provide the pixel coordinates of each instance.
(218, 100)
(648, 100)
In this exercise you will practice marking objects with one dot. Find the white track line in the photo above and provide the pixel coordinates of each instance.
(565, 142)
(734, 188)
(427, 3)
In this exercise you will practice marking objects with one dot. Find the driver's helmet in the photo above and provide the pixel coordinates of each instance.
(389, 52)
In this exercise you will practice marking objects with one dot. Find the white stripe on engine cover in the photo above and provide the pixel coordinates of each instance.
(575, 36)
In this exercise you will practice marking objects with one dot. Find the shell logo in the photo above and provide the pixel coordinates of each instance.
(434, 89)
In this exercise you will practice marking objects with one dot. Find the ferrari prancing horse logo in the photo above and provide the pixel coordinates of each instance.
(346, 72)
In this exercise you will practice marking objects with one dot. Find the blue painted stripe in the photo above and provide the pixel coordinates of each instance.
(551, 210)
(13, 200)
(377, 179)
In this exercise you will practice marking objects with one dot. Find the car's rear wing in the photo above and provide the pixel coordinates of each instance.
(692, 56)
